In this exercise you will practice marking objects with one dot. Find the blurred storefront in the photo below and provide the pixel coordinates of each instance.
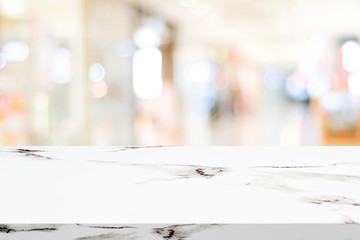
(40, 70)
(180, 72)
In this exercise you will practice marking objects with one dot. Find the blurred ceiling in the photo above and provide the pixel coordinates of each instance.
(272, 32)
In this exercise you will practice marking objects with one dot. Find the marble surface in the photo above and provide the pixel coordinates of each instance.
(181, 232)
(178, 186)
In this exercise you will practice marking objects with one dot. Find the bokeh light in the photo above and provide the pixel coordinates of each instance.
(351, 56)
(147, 73)
(99, 89)
(318, 43)
(62, 66)
(319, 85)
(333, 102)
(145, 37)
(15, 51)
(96, 72)
(202, 72)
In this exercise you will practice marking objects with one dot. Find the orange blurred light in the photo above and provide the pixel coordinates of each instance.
(99, 89)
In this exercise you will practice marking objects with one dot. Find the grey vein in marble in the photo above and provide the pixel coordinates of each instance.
(32, 153)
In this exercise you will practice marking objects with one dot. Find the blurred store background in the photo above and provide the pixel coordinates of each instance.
(179, 72)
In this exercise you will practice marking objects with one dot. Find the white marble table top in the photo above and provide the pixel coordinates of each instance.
(179, 185)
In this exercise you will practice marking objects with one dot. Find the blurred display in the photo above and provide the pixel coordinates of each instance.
(179, 72)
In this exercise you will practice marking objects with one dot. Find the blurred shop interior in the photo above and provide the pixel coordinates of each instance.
(179, 72)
